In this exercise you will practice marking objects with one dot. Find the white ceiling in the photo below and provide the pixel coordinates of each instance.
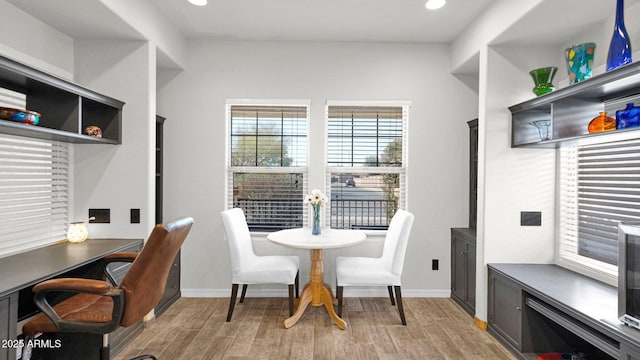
(307, 20)
(326, 20)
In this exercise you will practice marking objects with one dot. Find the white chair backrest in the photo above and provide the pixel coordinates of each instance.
(395, 243)
(238, 238)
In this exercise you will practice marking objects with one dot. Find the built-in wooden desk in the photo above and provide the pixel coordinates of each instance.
(21, 271)
(535, 308)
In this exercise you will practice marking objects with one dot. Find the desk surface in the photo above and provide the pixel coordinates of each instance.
(586, 299)
(28, 268)
(329, 238)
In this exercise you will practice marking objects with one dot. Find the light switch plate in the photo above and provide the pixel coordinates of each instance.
(135, 216)
(530, 218)
(102, 216)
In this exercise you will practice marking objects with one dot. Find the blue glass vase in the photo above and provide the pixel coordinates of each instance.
(315, 222)
(628, 118)
(620, 47)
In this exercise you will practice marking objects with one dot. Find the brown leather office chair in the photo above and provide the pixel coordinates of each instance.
(100, 307)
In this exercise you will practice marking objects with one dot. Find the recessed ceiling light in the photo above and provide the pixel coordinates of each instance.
(435, 4)
(198, 2)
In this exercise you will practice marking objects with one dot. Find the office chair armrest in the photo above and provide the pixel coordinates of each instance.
(84, 286)
(123, 256)
(90, 286)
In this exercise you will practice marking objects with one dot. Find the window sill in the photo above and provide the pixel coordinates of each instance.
(604, 276)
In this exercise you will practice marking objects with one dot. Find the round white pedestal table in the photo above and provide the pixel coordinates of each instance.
(315, 292)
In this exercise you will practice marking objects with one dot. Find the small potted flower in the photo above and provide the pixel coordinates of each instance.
(316, 200)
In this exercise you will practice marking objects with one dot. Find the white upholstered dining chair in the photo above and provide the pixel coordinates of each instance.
(385, 270)
(249, 268)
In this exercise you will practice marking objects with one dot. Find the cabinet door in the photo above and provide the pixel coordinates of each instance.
(471, 275)
(459, 260)
(629, 352)
(505, 309)
(8, 321)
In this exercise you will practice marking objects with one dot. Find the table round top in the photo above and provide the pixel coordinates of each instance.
(329, 238)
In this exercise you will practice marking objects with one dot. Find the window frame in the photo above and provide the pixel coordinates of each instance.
(596, 269)
(402, 171)
(230, 170)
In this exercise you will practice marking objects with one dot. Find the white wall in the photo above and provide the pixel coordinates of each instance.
(119, 177)
(509, 180)
(32, 42)
(514, 180)
(194, 104)
(145, 17)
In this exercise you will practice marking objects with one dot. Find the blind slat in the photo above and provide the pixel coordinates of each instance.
(34, 176)
(599, 187)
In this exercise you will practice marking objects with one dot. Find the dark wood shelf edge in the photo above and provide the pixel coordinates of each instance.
(15, 128)
(34, 74)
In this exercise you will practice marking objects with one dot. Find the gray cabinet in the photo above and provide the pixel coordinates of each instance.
(473, 172)
(8, 321)
(539, 308)
(172, 288)
(629, 352)
(463, 240)
(463, 268)
(504, 311)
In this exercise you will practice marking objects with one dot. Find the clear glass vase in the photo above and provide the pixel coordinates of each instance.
(315, 221)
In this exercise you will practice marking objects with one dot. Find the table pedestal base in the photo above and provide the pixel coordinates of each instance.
(316, 293)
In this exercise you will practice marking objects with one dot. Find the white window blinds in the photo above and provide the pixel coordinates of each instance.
(366, 163)
(267, 159)
(33, 193)
(600, 186)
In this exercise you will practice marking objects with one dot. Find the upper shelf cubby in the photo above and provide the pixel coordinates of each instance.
(66, 108)
(570, 109)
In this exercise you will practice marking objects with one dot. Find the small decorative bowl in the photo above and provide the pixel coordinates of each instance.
(93, 131)
(18, 115)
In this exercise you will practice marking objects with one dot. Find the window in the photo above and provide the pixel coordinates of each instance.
(33, 193)
(267, 163)
(34, 187)
(599, 187)
(366, 163)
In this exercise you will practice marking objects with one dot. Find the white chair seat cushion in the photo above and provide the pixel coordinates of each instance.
(268, 270)
(364, 271)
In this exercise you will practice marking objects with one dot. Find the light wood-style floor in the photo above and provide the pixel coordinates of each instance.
(195, 328)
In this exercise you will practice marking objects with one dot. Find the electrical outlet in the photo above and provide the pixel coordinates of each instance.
(135, 216)
(435, 264)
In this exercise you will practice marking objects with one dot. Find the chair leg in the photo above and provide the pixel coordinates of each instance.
(291, 299)
(297, 283)
(232, 301)
(400, 307)
(105, 353)
(393, 301)
(339, 296)
(244, 292)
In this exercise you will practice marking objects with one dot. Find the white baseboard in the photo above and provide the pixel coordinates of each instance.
(348, 292)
